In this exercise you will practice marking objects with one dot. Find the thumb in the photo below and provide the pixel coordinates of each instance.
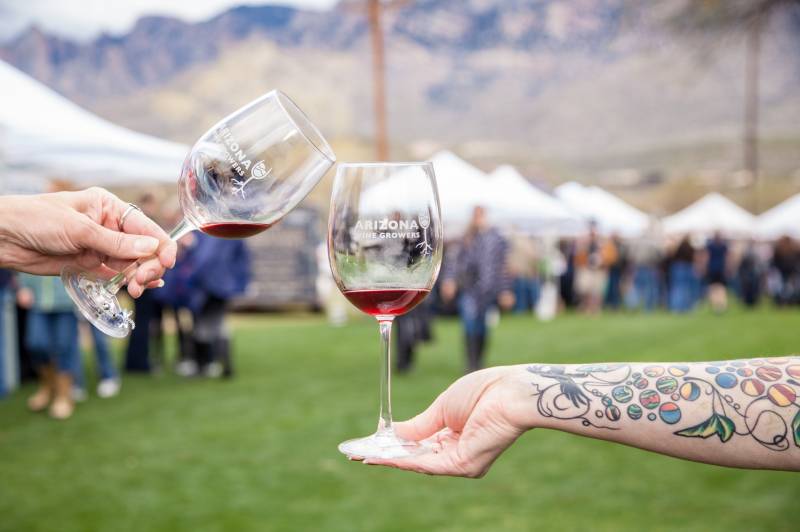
(422, 425)
(118, 245)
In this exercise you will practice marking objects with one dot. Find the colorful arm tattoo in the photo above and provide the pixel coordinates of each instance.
(755, 398)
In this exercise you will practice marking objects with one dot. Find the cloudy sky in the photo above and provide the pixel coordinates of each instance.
(83, 19)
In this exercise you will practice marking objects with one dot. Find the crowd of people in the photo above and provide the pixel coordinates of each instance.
(40, 327)
(675, 274)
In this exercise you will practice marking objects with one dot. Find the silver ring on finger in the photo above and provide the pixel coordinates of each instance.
(130, 209)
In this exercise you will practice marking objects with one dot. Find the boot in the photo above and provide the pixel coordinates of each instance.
(224, 356)
(63, 405)
(481, 350)
(39, 400)
(473, 353)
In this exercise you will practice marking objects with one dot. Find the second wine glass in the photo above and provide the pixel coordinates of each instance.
(385, 250)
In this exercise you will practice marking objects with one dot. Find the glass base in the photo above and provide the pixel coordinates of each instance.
(96, 303)
(382, 445)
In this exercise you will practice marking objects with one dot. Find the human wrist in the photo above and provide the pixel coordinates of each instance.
(14, 215)
(8, 219)
(520, 408)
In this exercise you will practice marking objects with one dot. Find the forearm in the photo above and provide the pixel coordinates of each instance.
(9, 220)
(740, 413)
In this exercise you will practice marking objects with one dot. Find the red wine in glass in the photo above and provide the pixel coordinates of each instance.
(233, 229)
(386, 302)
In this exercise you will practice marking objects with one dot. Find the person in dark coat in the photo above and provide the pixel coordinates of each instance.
(786, 264)
(175, 298)
(750, 274)
(717, 272)
(682, 278)
(147, 313)
(477, 272)
(566, 281)
(221, 271)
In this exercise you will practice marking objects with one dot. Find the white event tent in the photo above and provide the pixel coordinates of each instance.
(507, 197)
(711, 213)
(610, 213)
(521, 204)
(461, 188)
(43, 134)
(781, 220)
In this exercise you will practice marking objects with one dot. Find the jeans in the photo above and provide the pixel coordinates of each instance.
(645, 286)
(53, 337)
(526, 293)
(473, 315)
(684, 287)
(105, 365)
(613, 295)
(9, 370)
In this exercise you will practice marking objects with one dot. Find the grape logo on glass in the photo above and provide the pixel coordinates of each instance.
(239, 161)
(259, 171)
(389, 228)
(425, 222)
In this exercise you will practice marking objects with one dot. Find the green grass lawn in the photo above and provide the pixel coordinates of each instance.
(259, 452)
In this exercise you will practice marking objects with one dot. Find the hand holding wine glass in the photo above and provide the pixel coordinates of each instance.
(81, 229)
(385, 250)
(240, 178)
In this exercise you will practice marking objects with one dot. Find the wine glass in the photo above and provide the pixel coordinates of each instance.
(241, 177)
(385, 250)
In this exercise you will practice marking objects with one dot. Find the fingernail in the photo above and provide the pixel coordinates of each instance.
(160, 283)
(145, 245)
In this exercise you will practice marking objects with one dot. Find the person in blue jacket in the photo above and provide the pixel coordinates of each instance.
(175, 298)
(220, 272)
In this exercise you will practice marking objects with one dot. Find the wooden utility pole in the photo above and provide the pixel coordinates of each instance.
(374, 10)
(751, 82)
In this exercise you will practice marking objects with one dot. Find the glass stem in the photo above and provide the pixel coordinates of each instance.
(121, 279)
(385, 419)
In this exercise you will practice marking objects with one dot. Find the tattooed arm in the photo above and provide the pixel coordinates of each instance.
(739, 413)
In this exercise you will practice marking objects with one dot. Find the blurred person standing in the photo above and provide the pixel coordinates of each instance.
(108, 381)
(682, 278)
(147, 311)
(220, 272)
(750, 275)
(592, 261)
(551, 268)
(477, 273)
(566, 280)
(414, 327)
(9, 370)
(717, 272)
(523, 269)
(785, 266)
(646, 256)
(52, 339)
(175, 300)
(618, 264)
